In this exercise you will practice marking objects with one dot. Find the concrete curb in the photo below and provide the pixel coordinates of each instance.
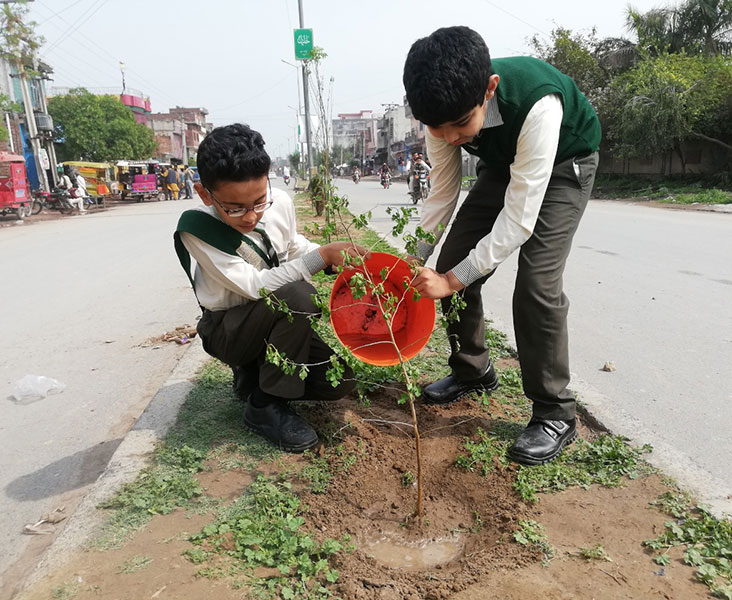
(131, 456)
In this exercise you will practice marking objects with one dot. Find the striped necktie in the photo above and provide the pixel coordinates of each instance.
(271, 259)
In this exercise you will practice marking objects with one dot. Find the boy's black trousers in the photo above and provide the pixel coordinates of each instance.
(238, 337)
(539, 304)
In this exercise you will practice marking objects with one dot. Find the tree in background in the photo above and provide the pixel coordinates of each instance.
(667, 100)
(98, 128)
(6, 106)
(574, 54)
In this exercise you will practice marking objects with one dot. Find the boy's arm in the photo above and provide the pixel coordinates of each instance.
(234, 274)
(446, 175)
(531, 171)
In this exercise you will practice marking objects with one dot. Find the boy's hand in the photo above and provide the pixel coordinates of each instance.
(332, 253)
(431, 284)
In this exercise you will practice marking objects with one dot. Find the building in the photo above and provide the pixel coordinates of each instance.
(358, 131)
(393, 128)
(196, 127)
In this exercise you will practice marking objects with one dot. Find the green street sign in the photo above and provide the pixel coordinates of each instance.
(303, 43)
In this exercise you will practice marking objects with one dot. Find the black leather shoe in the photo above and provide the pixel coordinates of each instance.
(281, 425)
(542, 441)
(449, 389)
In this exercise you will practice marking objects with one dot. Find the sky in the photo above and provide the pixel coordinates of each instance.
(226, 55)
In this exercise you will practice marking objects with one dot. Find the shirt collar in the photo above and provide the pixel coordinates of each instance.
(492, 119)
(492, 114)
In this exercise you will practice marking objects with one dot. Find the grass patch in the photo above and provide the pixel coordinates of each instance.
(618, 186)
(262, 529)
(134, 564)
(604, 461)
(712, 196)
(531, 534)
(706, 539)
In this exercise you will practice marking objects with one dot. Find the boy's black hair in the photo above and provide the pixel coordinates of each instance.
(232, 153)
(446, 74)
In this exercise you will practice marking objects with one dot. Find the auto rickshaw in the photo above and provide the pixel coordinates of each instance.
(14, 192)
(138, 181)
(101, 178)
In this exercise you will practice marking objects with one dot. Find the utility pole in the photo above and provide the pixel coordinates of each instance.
(306, 99)
(51, 149)
(30, 121)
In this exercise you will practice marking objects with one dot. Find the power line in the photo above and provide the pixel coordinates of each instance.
(86, 42)
(494, 5)
(58, 14)
(96, 6)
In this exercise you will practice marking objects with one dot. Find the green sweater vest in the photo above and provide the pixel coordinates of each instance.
(524, 81)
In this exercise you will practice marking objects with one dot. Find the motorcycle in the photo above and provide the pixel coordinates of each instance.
(286, 179)
(422, 190)
(386, 180)
(57, 199)
(356, 177)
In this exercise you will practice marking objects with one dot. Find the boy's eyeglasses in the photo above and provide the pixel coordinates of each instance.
(241, 211)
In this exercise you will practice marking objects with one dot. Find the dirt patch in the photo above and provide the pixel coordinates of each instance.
(462, 548)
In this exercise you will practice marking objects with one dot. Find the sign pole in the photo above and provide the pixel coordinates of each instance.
(306, 95)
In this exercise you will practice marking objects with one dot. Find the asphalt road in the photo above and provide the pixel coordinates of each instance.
(81, 296)
(651, 291)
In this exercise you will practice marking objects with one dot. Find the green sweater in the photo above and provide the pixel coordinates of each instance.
(524, 81)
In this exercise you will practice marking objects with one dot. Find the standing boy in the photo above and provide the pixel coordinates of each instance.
(537, 138)
(244, 240)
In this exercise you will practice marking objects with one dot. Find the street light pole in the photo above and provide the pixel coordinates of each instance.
(298, 112)
(306, 95)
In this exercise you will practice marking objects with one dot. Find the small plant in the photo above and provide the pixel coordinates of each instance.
(262, 529)
(407, 479)
(134, 564)
(531, 534)
(597, 552)
(708, 541)
(604, 461)
(484, 454)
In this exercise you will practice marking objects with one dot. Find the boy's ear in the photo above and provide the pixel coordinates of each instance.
(493, 81)
(203, 194)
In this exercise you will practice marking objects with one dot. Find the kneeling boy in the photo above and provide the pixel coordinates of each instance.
(244, 240)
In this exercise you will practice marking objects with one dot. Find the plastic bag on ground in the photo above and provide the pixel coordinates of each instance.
(32, 388)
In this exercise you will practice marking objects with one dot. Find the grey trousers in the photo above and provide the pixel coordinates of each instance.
(238, 337)
(540, 306)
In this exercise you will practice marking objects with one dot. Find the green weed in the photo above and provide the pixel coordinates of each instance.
(531, 534)
(65, 592)
(597, 552)
(712, 196)
(262, 529)
(604, 461)
(484, 454)
(497, 343)
(407, 478)
(707, 541)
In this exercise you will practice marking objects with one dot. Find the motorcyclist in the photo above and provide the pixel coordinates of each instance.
(356, 174)
(286, 174)
(418, 167)
(384, 171)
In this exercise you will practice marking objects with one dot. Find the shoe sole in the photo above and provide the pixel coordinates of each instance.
(532, 461)
(482, 388)
(293, 449)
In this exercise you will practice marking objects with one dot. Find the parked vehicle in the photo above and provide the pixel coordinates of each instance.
(100, 177)
(58, 199)
(14, 195)
(138, 181)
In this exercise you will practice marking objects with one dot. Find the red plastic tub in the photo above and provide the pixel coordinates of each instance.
(359, 324)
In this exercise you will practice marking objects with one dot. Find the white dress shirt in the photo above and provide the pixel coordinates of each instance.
(530, 170)
(222, 281)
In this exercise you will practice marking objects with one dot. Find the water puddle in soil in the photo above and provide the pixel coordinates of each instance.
(397, 553)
